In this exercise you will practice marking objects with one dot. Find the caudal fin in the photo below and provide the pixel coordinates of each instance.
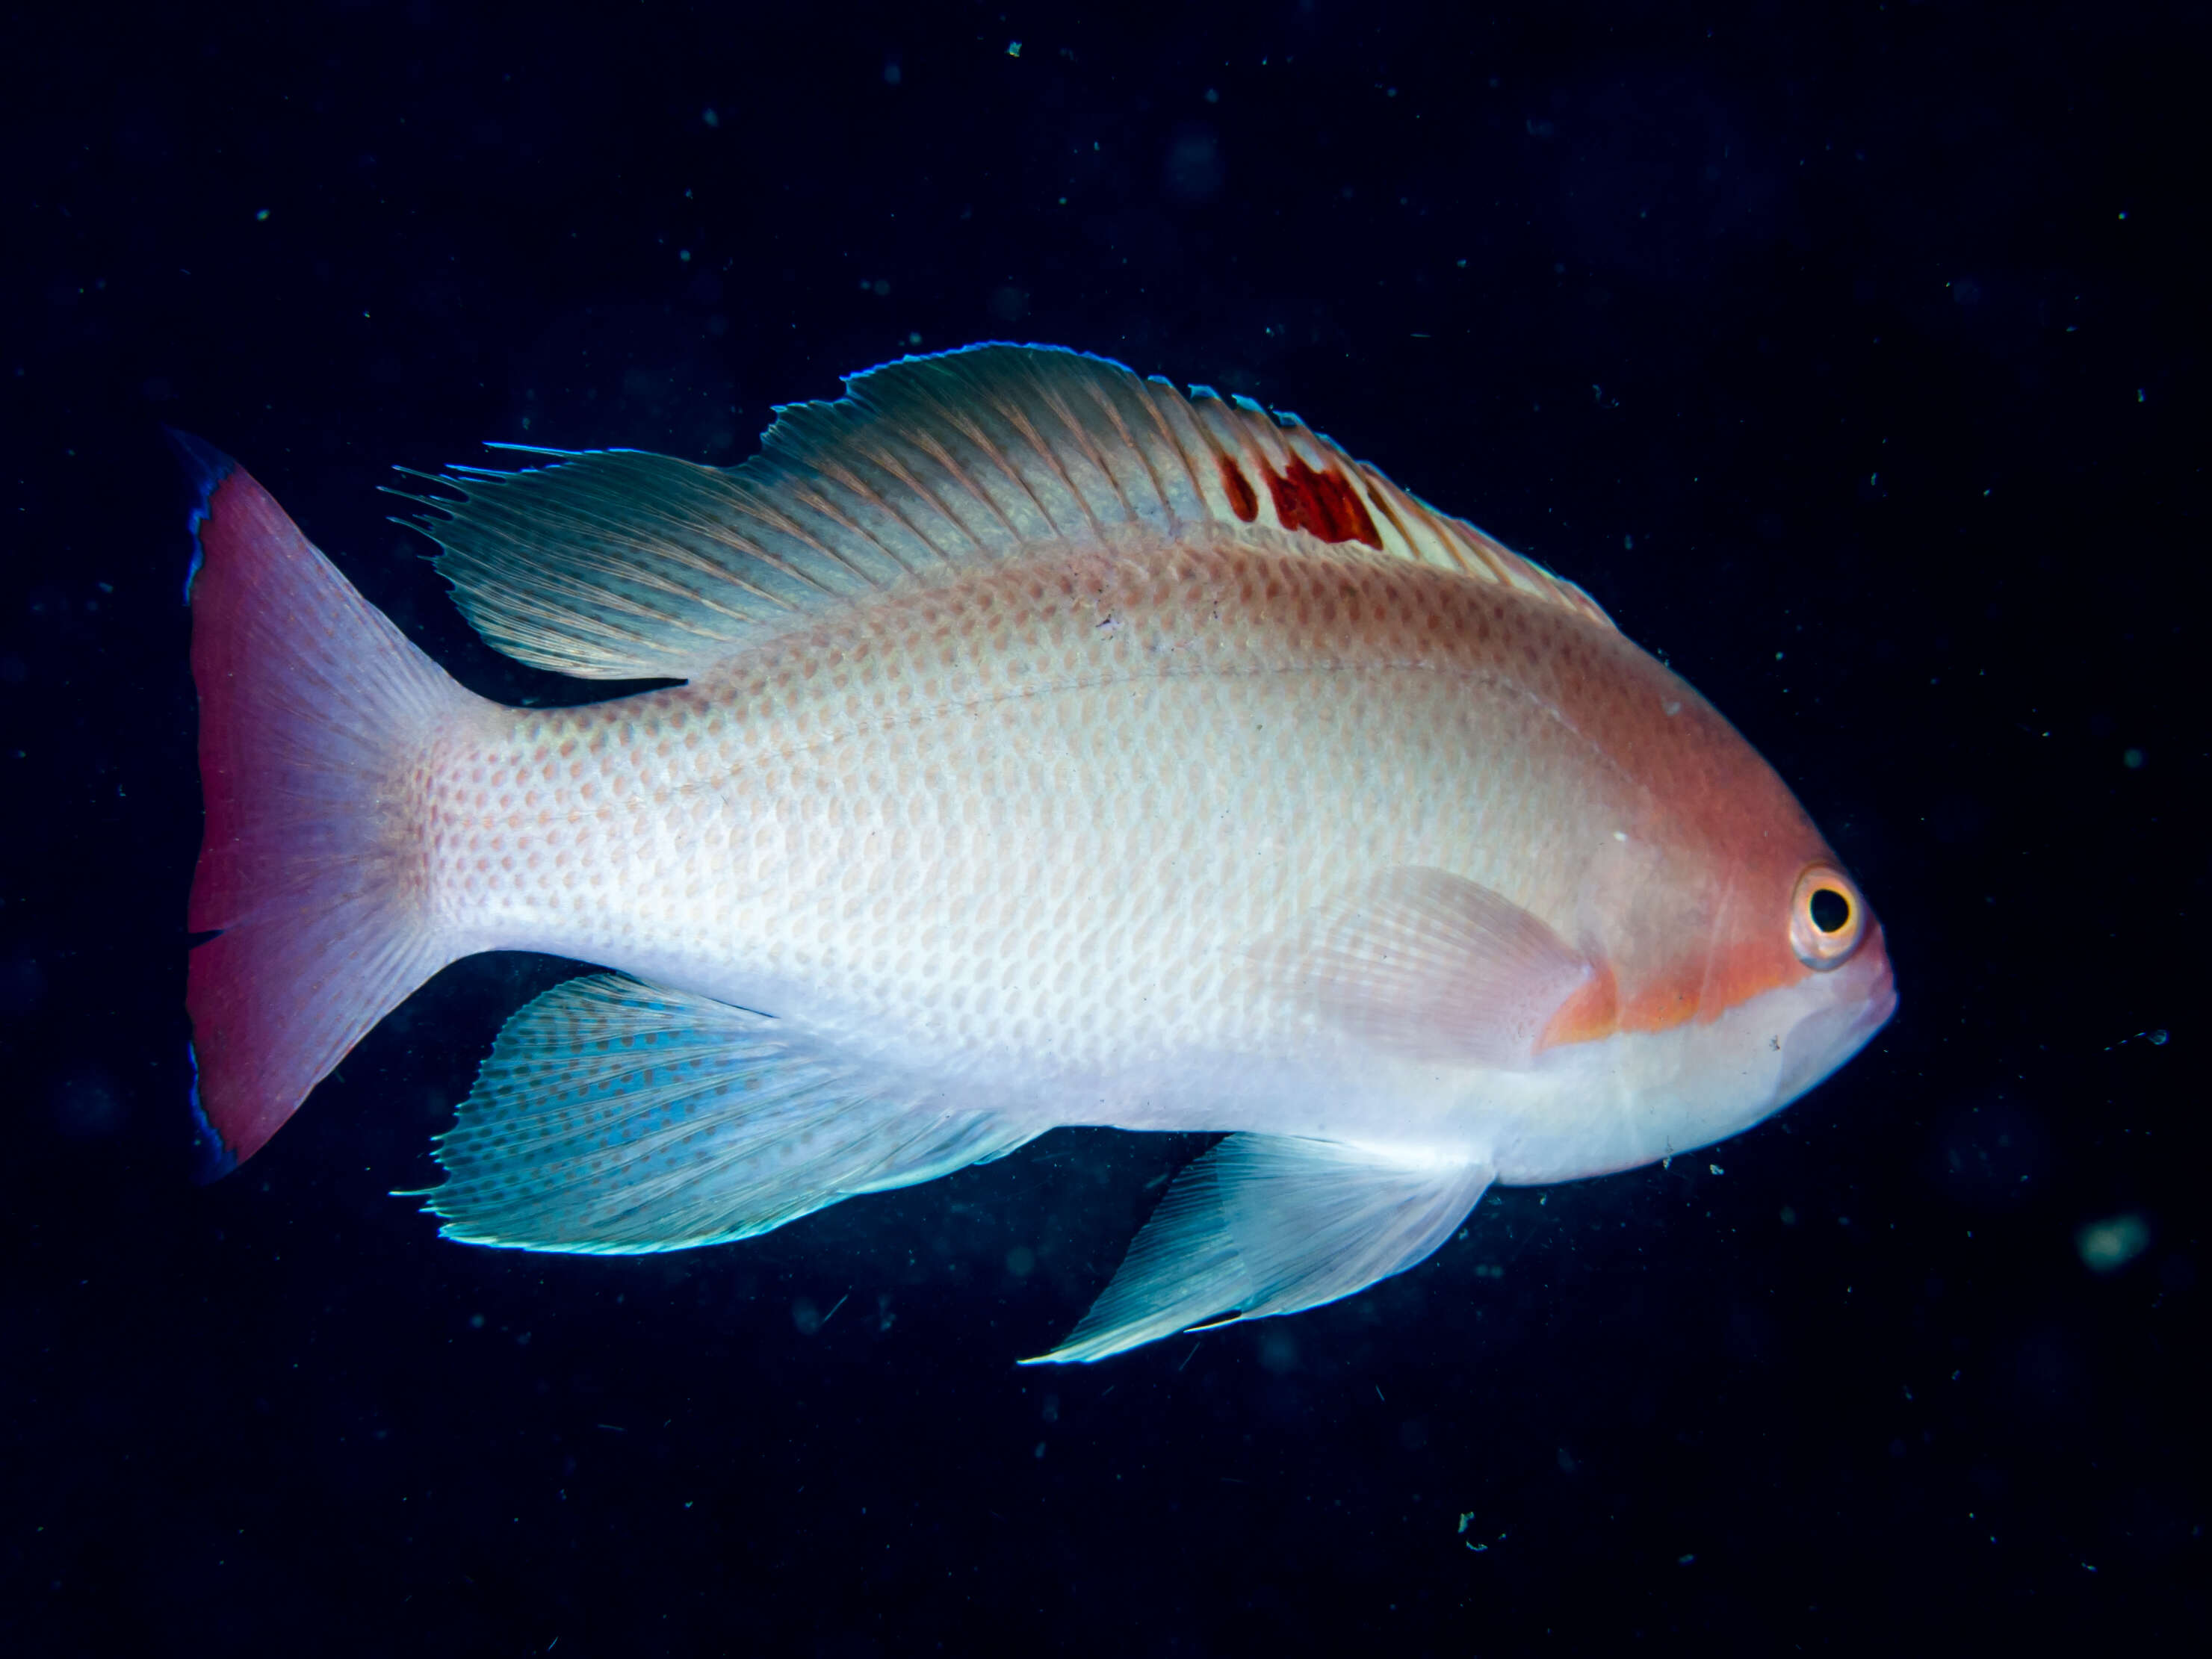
(316, 716)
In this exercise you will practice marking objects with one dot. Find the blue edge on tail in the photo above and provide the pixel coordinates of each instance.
(205, 468)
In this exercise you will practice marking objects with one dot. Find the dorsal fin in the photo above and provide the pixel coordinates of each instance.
(616, 564)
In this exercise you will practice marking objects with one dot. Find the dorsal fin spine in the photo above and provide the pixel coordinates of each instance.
(1381, 501)
(931, 445)
(965, 420)
(1020, 421)
(621, 563)
(1091, 452)
(1026, 430)
(1129, 442)
(1164, 423)
(1249, 445)
(859, 489)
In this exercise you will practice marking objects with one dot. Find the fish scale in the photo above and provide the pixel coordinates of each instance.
(1119, 788)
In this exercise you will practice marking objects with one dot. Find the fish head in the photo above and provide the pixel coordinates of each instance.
(1847, 991)
(1735, 965)
(1794, 980)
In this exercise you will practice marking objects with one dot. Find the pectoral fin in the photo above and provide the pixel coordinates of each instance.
(1265, 1224)
(1430, 966)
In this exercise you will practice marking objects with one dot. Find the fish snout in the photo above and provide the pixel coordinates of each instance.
(1862, 997)
(1881, 993)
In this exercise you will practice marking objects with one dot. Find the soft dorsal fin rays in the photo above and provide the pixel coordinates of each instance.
(1266, 1225)
(615, 1117)
(616, 564)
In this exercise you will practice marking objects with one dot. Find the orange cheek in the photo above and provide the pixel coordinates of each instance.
(1701, 987)
(1736, 973)
(1592, 1013)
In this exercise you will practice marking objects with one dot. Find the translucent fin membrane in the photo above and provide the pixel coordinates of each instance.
(615, 1118)
(618, 564)
(1265, 1224)
(315, 713)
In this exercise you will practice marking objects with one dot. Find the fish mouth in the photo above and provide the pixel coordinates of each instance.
(1880, 1002)
(1882, 991)
(1824, 1040)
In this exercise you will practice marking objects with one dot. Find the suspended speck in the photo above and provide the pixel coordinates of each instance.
(2107, 1246)
(2133, 760)
(914, 339)
(710, 117)
(2139, 395)
(259, 216)
(1013, 48)
(1212, 96)
(1715, 1169)
(890, 74)
(684, 254)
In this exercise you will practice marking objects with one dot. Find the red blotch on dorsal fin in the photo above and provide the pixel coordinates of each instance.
(1323, 504)
(1243, 499)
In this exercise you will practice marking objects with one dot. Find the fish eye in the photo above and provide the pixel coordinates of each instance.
(1827, 918)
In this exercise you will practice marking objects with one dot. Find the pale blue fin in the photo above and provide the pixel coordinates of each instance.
(616, 564)
(615, 1117)
(1266, 1225)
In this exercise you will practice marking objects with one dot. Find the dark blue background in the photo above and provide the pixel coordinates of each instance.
(1869, 335)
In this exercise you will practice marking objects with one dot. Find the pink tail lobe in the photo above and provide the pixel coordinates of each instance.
(317, 717)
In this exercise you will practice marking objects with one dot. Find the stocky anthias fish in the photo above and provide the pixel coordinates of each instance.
(1053, 748)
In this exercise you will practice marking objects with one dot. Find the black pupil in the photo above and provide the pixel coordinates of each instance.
(1831, 909)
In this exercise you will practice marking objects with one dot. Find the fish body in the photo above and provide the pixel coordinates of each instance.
(1051, 750)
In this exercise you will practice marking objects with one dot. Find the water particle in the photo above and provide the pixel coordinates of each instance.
(2107, 1246)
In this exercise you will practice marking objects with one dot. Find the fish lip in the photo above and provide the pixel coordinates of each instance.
(1824, 1042)
(1882, 994)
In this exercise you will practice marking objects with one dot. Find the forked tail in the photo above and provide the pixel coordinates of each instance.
(317, 717)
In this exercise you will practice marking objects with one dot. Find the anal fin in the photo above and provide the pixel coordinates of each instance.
(615, 1117)
(1265, 1224)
